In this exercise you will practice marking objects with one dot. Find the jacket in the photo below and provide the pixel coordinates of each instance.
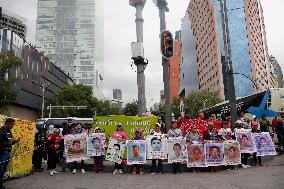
(54, 140)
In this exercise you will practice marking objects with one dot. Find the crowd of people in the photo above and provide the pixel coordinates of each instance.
(52, 142)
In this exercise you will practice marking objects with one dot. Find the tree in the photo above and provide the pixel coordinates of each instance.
(80, 95)
(8, 60)
(196, 101)
(131, 108)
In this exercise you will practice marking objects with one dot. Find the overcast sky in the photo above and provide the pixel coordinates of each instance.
(120, 32)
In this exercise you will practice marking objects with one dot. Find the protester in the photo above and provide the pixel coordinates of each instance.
(39, 150)
(254, 123)
(53, 142)
(98, 160)
(138, 168)
(193, 135)
(274, 123)
(225, 133)
(264, 124)
(174, 132)
(279, 129)
(6, 143)
(210, 133)
(120, 135)
(254, 129)
(78, 130)
(157, 169)
(213, 117)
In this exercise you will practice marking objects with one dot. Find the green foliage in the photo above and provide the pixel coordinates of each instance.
(8, 60)
(80, 95)
(195, 102)
(161, 112)
(131, 108)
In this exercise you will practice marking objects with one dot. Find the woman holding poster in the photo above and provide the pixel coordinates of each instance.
(137, 168)
(120, 135)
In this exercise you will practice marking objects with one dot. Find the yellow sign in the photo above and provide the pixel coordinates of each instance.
(22, 152)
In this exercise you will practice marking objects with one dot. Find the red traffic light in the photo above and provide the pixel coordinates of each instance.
(167, 44)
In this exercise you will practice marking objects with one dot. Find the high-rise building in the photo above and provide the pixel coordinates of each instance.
(249, 52)
(13, 22)
(174, 63)
(70, 33)
(188, 66)
(117, 94)
(277, 71)
(162, 98)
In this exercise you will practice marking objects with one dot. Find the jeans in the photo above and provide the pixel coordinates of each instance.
(98, 163)
(156, 169)
(244, 158)
(3, 166)
(117, 166)
(78, 166)
(52, 159)
(256, 159)
(176, 167)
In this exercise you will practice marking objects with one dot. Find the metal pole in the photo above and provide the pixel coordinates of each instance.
(42, 105)
(49, 111)
(162, 5)
(229, 67)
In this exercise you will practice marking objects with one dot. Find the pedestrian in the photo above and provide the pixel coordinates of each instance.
(157, 169)
(138, 168)
(39, 149)
(98, 160)
(193, 135)
(225, 133)
(244, 156)
(53, 144)
(279, 129)
(264, 124)
(6, 143)
(121, 136)
(210, 133)
(174, 132)
(75, 166)
(254, 129)
(254, 122)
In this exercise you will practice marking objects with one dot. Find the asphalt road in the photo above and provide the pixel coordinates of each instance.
(270, 176)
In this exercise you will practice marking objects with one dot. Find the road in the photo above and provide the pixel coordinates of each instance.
(270, 176)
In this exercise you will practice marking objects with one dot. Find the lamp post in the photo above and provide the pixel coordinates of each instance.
(163, 7)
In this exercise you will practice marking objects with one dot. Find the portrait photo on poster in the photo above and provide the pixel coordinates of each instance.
(214, 154)
(136, 152)
(115, 150)
(156, 147)
(244, 137)
(232, 152)
(196, 155)
(264, 144)
(75, 147)
(96, 144)
(177, 150)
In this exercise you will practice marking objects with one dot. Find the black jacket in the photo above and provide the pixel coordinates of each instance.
(5, 135)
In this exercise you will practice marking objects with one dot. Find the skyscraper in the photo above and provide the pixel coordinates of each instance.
(249, 52)
(277, 71)
(68, 32)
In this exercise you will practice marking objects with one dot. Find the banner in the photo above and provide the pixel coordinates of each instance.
(196, 155)
(232, 152)
(22, 152)
(108, 124)
(244, 137)
(115, 150)
(177, 149)
(136, 152)
(96, 144)
(157, 147)
(75, 147)
(214, 154)
(263, 144)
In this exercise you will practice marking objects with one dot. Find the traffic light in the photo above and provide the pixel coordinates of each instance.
(167, 48)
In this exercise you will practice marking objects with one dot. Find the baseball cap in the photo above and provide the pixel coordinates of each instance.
(239, 122)
(158, 125)
(119, 125)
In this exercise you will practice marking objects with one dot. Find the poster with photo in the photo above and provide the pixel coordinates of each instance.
(214, 154)
(115, 150)
(96, 144)
(136, 152)
(177, 149)
(264, 144)
(75, 147)
(232, 152)
(156, 147)
(244, 137)
(196, 155)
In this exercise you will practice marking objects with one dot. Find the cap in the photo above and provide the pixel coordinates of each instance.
(97, 128)
(119, 125)
(158, 125)
(253, 116)
(239, 122)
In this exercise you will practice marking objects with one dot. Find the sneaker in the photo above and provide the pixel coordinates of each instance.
(120, 171)
(55, 172)
(115, 172)
(74, 171)
(83, 171)
(244, 166)
(51, 172)
(141, 173)
(160, 173)
(248, 166)
(153, 173)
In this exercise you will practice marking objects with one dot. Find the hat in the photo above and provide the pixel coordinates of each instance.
(138, 130)
(119, 125)
(97, 128)
(239, 122)
(158, 125)
(253, 116)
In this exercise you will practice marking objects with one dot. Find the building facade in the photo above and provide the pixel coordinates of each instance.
(117, 94)
(13, 22)
(249, 52)
(70, 33)
(188, 66)
(174, 70)
(36, 70)
(277, 71)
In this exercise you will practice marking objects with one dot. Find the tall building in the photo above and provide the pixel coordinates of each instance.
(188, 66)
(13, 22)
(277, 71)
(70, 33)
(174, 63)
(117, 94)
(162, 98)
(249, 52)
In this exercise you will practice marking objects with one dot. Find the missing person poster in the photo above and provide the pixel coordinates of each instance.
(96, 144)
(156, 147)
(196, 155)
(214, 154)
(232, 152)
(263, 144)
(177, 149)
(136, 152)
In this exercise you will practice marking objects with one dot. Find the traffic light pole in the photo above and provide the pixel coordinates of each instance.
(162, 5)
